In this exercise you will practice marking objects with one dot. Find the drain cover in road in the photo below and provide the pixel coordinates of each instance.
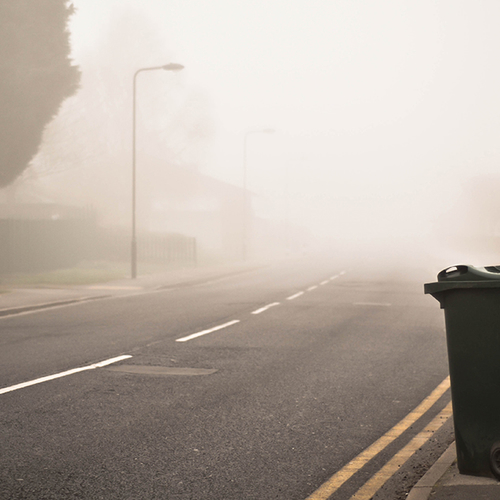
(160, 370)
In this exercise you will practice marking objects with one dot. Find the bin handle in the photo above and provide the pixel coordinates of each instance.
(452, 272)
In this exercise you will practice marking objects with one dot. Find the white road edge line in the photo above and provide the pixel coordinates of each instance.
(311, 288)
(210, 330)
(298, 294)
(64, 374)
(265, 308)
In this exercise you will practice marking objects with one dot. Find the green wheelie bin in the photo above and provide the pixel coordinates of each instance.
(470, 297)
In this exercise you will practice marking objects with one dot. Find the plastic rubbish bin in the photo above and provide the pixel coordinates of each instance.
(470, 297)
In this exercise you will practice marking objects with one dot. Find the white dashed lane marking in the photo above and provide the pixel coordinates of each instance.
(205, 332)
(64, 374)
(265, 308)
(374, 304)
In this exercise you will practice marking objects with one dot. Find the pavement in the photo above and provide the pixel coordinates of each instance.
(442, 481)
(19, 299)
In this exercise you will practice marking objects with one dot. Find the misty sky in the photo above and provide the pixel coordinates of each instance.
(382, 109)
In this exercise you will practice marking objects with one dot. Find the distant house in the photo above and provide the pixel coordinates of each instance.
(171, 199)
(188, 202)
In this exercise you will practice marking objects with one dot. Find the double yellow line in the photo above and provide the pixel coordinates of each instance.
(327, 489)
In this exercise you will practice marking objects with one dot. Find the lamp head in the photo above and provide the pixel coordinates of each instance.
(173, 67)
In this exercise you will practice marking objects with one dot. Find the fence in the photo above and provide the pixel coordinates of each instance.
(166, 248)
(39, 245)
(151, 247)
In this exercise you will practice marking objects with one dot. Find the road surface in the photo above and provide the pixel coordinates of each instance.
(293, 381)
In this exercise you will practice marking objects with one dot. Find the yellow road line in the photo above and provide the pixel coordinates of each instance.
(376, 482)
(340, 477)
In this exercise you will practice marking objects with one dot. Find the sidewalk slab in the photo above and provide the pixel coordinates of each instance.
(19, 298)
(443, 482)
(462, 487)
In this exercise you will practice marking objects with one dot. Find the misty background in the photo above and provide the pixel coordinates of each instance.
(386, 118)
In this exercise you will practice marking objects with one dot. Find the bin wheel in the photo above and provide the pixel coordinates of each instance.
(495, 460)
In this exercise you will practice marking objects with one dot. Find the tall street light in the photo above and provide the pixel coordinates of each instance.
(245, 193)
(166, 67)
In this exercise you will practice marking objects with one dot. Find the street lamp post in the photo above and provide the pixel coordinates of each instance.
(166, 67)
(245, 192)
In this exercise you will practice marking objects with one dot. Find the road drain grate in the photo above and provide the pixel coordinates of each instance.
(160, 370)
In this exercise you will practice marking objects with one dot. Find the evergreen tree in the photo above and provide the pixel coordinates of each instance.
(36, 76)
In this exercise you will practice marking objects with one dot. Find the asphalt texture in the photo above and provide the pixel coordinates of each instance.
(272, 406)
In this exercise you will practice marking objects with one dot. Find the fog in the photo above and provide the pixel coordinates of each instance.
(386, 117)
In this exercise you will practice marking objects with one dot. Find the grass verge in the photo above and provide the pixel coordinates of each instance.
(86, 273)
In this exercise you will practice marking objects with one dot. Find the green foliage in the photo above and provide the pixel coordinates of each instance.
(36, 77)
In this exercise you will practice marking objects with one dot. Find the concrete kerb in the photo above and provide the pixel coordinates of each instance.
(28, 299)
(443, 480)
(47, 305)
(423, 489)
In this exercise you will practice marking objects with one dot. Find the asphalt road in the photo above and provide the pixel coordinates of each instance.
(316, 363)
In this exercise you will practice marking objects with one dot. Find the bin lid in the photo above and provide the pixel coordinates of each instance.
(463, 276)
